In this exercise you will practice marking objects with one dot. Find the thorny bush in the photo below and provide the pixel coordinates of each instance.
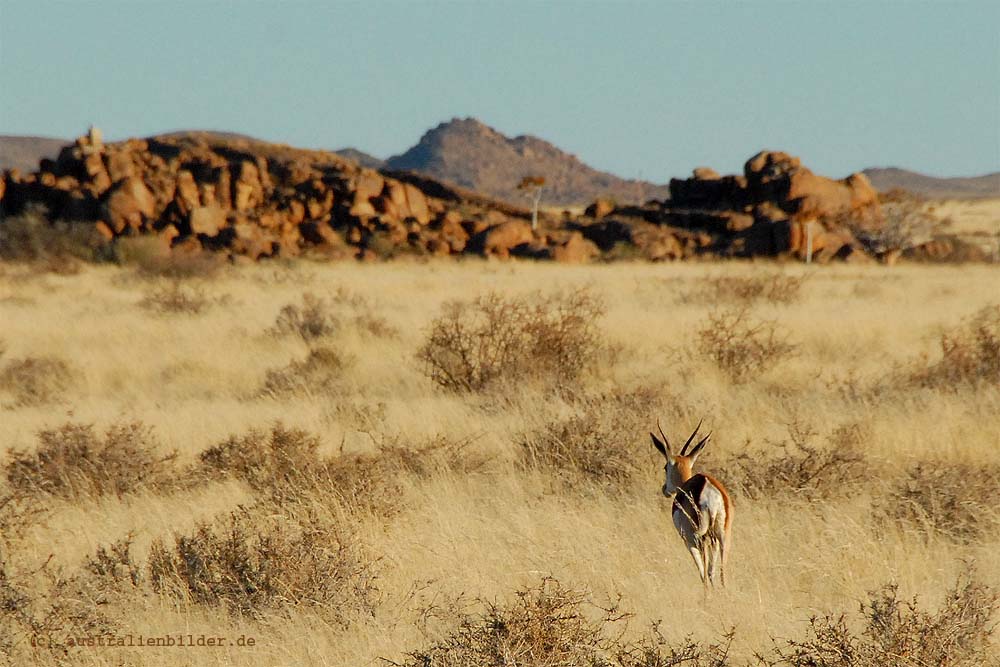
(797, 467)
(74, 461)
(951, 499)
(284, 463)
(740, 345)
(900, 633)
(746, 290)
(600, 442)
(34, 381)
(319, 373)
(970, 354)
(310, 321)
(551, 625)
(493, 340)
(256, 561)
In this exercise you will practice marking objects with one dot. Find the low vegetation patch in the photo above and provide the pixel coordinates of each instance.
(496, 340)
(956, 500)
(603, 442)
(970, 354)
(42, 613)
(798, 467)
(746, 290)
(740, 345)
(174, 297)
(284, 463)
(253, 562)
(283, 459)
(551, 625)
(58, 247)
(310, 321)
(319, 373)
(151, 258)
(33, 381)
(75, 461)
(900, 633)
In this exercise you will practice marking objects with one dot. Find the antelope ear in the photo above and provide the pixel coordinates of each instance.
(659, 446)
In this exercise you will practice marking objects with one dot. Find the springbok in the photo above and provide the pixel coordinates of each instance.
(702, 510)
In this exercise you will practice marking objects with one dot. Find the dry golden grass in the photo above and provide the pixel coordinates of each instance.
(446, 498)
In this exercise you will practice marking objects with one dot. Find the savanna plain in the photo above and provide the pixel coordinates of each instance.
(448, 463)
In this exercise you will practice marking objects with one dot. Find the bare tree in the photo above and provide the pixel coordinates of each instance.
(533, 186)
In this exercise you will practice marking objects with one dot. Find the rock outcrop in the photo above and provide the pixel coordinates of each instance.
(251, 198)
(776, 207)
(247, 198)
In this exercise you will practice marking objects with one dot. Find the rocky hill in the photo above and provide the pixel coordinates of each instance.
(24, 153)
(473, 155)
(362, 158)
(890, 178)
(204, 192)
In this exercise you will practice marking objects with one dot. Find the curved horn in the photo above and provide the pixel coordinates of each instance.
(691, 437)
(701, 444)
(662, 434)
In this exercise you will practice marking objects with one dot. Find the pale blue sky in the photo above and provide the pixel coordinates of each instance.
(639, 89)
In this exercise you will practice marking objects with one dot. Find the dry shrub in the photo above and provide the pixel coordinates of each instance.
(310, 321)
(114, 566)
(152, 259)
(798, 468)
(900, 633)
(284, 464)
(372, 483)
(740, 345)
(18, 513)
(374, 325)
(56, 247)
(256, 561)
(905, 224)
(603, 442)
(42, 613)
(550, 625)
(493, 340)
(175, 297)
(35, 381)
(282, 459)
(746, 290)
(970, 354)
(319, 373)
(952, 499)
(73, 461)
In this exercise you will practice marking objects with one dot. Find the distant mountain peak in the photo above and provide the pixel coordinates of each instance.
(471, 154)
(973, 187)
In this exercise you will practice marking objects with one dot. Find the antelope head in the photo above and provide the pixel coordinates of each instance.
(678, 468)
